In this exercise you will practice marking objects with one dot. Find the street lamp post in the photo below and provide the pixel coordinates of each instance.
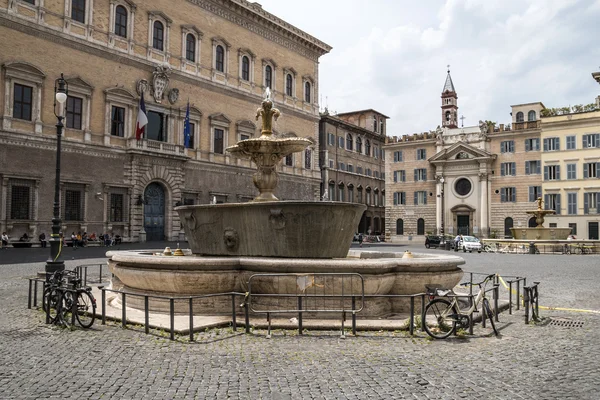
(55, 262)
(442, 219)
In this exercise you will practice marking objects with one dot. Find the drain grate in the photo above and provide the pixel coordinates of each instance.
(565, 323)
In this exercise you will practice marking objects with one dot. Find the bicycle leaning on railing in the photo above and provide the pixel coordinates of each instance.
(442, 316)
(65, 300)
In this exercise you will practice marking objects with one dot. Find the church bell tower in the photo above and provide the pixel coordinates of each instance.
(449, 104)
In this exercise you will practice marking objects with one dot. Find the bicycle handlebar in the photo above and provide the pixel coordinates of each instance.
(487, 278)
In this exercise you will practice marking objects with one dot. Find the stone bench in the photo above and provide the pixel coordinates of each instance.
(21, 244)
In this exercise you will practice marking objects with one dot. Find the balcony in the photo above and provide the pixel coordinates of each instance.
(526, 125)
(156, 147)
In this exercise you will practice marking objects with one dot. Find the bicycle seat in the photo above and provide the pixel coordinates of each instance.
(437, 290)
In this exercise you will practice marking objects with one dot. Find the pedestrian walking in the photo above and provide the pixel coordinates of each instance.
(4, 240)
(360, 239)
(42, 238)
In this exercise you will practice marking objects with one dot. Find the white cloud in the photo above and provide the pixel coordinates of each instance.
(392, 56)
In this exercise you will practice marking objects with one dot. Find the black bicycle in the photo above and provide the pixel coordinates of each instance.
(66, 300)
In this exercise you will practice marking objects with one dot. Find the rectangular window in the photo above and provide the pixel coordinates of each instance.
(192, 134)
(20, 202)
(571, 143)
(369, 172)
(420, 198)
(74, 107)
(218, 141)
(532, 144)
(399, 198)
(534, 193)
(350, 168)
(508, 195)
(307, 159)
(331, 163)
(591, 140)
(552, 202)
(573, 227)
(341, 142)
(330, 139)
(359, 170)
(400, 176)
(22, 102)
(591, 203)
(421, 154)
(552, 144)
(288, 160)
(552, 173)
(509, 168)
(572, 203)
(157, 37)
(507, 146)
(398, 156)
(341, 166)
(533, 167)
(117, 121)
(116, 207)
(591, 170)
(78, 10)
(376, 174)
(571, 171)
(157, 126)
(420, 174)
(73, 205)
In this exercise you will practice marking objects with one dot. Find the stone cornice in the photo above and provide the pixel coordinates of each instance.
(252, 17)
(351, 127)
(76, 43)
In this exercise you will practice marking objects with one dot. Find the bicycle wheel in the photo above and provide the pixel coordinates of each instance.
(66, 306)
(440, 319)
(86, 309)
(490, 314)
(50, 302)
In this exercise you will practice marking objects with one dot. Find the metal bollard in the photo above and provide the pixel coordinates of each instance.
(411, 329)
(172, 317)
(300, 315)
(233, 310)
(103, 304)
(526, 303)
(354, 315)
(123, 312)
(146, 316)
(192, 319)
(29, 296)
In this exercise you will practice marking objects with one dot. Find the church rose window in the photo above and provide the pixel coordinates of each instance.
(463, 187)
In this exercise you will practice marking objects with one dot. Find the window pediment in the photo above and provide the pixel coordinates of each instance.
(24, 70)
(246, 125)
(79, 83)
(242, 51)
(192, 28)
(120, 94)
(219, 40)
(268, 61)
(308, 78)
(161, 15)
(292, 71)
(219, 117)
(132, 6)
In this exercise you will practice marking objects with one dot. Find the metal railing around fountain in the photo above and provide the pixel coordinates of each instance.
(84, 272)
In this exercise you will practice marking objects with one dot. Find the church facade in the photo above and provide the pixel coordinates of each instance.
(472, 180)
(215, 57)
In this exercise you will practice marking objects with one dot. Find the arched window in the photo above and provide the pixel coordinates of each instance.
(368, 148)
(288, 84)
(420, 226)
(532, 223)
(190, 47)
(307, 92)
(121, 21)
(220, 60)
(349, 143)
(158, 39)
(358, 145)
(531, 116)
(245, 68)
(508, 223)
(448, 116)
(269, 77)
(520, 117)
(399, 227)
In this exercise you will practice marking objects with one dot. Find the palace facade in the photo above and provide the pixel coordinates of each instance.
(218, 56)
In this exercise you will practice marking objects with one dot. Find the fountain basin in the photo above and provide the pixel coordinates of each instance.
(540, 233)
(292, 229)
(383, 274)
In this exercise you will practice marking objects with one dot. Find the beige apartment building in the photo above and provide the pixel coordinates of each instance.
(217, 55)
(571, 168)
(475, 180)
(353, 164)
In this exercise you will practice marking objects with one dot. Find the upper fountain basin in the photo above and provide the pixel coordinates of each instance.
(272, 229)
(267, 145)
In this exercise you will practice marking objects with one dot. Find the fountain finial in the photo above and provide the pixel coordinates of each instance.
(268, 113)
(539, 201)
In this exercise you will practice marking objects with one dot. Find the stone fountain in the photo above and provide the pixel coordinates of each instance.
(231, 242)
(539, 232)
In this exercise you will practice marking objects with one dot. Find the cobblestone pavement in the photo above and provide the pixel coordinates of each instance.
(526, 362)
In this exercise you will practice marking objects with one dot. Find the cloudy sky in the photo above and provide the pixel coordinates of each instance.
(391, 55)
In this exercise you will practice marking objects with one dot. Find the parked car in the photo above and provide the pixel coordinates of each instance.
(433, 241)
(469, 243)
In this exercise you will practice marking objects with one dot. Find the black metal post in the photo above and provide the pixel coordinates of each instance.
(299, 315)
(55, 262)
(496, 295)
(192, 319)
(246, 316)
(172, 317)
(442, 219)
(146, 315)
(354, 315)
(103, 304)
(35, 291)
(29, 296)
(123, 311)
(233, 311)
(412, 315)
(510, 297)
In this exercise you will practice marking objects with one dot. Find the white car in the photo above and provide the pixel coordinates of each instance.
(470, 243)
